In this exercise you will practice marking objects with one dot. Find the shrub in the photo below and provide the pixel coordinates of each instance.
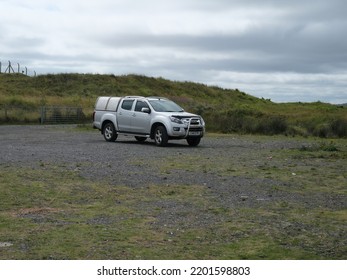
(246, 121)
(273, 125)
(338, 127)
(333, 128)
(321, 130)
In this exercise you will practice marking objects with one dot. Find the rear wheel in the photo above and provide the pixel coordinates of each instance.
(193, 141)
(160, 136)
(109, 132)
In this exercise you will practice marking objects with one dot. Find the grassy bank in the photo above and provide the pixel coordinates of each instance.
(224, 110)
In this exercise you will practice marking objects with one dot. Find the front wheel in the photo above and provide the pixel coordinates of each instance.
(193, 141)
(160, 136)
(109, 132)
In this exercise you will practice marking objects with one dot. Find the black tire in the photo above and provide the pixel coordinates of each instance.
(160, 136)
(140, 139)
(109, 132)
(193, 141)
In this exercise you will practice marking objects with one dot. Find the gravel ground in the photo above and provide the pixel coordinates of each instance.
(127, 162)
(130, 163)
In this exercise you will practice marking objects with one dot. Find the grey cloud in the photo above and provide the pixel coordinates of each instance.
(261, 51)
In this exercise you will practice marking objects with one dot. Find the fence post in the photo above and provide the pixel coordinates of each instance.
(43, 113)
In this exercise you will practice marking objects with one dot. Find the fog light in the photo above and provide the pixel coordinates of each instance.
(176, 129)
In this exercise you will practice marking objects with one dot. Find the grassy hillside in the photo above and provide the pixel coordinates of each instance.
(224, 110)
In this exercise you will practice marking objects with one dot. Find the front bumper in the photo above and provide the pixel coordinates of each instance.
(187, 131)
(188, 127)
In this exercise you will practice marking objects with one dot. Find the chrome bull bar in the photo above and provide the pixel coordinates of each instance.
(189, 124)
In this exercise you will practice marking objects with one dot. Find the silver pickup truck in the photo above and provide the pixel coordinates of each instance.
(146, 117)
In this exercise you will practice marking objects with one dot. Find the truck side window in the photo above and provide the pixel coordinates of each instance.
(127, 104)
(140, 105)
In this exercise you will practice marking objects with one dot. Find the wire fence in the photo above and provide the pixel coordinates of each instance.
(15, 68)
(42, 115)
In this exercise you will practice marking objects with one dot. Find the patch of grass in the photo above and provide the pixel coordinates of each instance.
(313, 166)
(322, 146)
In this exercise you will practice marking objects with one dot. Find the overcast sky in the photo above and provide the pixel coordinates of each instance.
(290, 50)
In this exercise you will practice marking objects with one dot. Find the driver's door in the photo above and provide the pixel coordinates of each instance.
(141, 121)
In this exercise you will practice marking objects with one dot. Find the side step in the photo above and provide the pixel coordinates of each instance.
(133, 134)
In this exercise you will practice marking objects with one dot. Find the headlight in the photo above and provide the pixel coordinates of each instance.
(176, 120)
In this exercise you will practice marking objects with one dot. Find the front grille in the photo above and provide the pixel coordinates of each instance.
(195, 122)
(196, 129)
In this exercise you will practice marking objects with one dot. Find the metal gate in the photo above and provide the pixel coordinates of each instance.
(61, 115)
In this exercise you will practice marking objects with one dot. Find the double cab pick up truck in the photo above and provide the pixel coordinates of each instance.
(146, 117)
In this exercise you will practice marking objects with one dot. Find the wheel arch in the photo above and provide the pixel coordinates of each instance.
(154, 126)
(108, 119)
(103, 125)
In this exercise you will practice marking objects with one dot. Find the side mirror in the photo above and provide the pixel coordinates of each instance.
(146, 110)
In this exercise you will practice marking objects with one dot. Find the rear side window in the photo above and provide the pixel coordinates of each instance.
(127, 104)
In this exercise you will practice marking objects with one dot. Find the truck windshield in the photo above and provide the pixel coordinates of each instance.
(164, 105)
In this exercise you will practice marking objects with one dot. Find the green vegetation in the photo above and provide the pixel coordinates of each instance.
(226, 111)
